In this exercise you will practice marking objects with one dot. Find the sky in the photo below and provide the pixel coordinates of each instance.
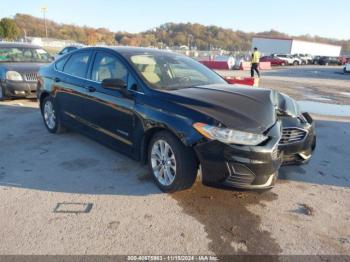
(328, 18)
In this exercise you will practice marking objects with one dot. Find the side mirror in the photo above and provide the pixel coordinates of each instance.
(114, 84)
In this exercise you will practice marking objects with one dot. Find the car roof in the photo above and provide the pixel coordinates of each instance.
(127, 51)
(23, 45)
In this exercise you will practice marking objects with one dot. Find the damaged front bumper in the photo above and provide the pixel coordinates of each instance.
(248, 167)
(298, 140)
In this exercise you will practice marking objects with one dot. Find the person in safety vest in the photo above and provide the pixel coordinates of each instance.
(255, 62)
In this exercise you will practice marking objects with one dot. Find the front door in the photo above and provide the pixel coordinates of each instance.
(110, 113)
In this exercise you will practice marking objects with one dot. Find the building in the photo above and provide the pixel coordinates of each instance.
(270, 45)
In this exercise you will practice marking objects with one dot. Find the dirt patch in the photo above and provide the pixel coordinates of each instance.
(230, 226)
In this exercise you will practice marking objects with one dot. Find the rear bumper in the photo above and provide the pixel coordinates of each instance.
(248, 167)
(19, 89)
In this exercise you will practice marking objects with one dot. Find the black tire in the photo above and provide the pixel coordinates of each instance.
(295, 63)
(185, 161)
(2, 94)
(57, 127)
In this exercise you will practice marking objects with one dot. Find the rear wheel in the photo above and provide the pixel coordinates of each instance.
(172, 164)
(50, 116)
(2, 94)
(295, 63)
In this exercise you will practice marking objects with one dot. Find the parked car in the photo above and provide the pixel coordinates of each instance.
(347, 68)
(307, 59)
(275, 61)
(290, 60)
(316, 60)
(67, 50)
(19, 65)
(300, 59)
(342, 60)
(175, 114)
(330, 60)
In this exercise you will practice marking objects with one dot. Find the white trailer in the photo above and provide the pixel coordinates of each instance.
(269, 46)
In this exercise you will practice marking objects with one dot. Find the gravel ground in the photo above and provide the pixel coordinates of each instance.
(65, 194)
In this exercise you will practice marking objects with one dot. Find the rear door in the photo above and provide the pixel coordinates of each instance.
(70, 85)
(109, 113)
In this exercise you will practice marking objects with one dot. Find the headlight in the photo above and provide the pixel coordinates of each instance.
(14, 76)
(229, 136)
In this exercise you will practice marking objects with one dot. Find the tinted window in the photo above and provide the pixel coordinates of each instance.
(77, 65)
(108, 66)
(24, 54)
(60, 64)
(64, 51)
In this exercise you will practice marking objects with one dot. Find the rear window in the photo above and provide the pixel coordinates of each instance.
(60, 64)
(77, 64)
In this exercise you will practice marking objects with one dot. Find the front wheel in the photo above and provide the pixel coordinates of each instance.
(172, 164)
(50, 116)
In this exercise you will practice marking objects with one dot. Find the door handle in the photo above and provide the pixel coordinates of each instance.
(56, 79)
(91, 89)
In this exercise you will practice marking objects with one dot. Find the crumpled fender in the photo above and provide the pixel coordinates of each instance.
(285, 105)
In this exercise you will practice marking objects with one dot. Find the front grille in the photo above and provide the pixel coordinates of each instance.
(31, 77)
(292, 135)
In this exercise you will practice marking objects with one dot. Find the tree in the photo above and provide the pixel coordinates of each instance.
(9, 30)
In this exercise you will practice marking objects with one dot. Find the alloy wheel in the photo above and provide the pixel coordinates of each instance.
(49, 115)
(163, 162)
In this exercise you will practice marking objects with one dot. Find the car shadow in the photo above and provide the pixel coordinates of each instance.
(33, 158)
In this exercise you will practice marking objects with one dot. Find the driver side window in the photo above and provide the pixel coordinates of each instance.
(108, 66)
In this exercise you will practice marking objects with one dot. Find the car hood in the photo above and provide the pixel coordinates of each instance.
(22, 67)
(237, 107)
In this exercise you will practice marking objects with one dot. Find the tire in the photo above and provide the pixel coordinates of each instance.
(51, 118)
(295, 63)
(283, 64)
(2, 94)
(167, 153)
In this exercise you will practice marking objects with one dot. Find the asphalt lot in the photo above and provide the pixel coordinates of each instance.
(65, 194)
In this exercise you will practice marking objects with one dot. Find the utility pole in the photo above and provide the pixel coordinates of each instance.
(25, 35)
(190, 40)
(44, 10)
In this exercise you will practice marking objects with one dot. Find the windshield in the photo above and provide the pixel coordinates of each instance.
(24, 54)
(169, 71)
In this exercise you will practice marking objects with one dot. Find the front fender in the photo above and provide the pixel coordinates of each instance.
(285, 105)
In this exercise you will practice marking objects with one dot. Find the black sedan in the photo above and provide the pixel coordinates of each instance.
(19, 66)
(173, 113)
